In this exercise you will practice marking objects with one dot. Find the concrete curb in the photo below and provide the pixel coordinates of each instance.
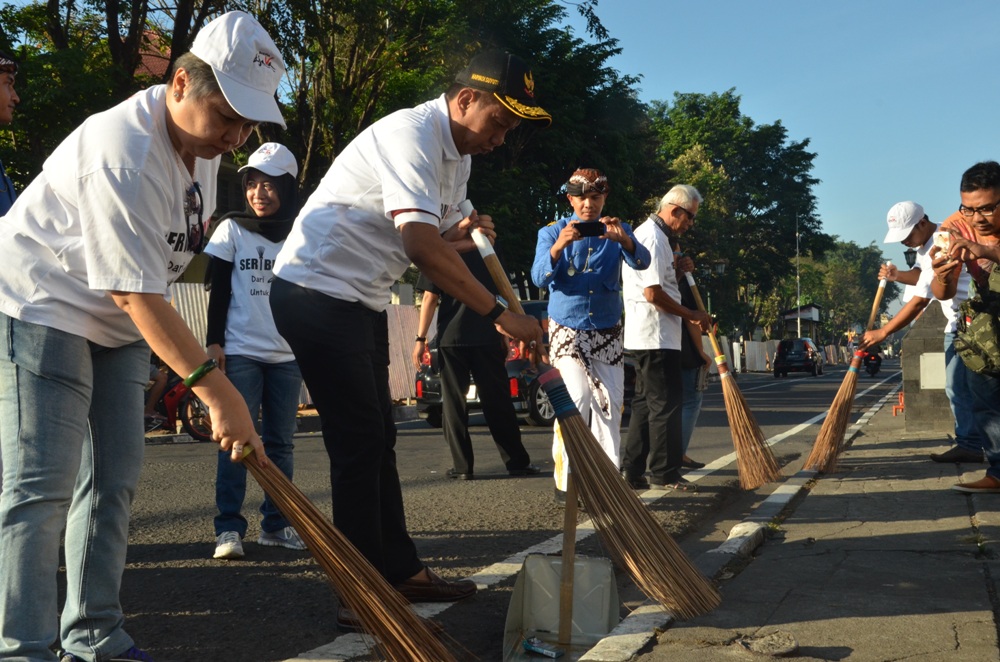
(640, 627)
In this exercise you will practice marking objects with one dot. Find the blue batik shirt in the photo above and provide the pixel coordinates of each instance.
(585, 283)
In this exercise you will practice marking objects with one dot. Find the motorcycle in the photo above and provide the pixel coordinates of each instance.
(873, 361)
(178, 402)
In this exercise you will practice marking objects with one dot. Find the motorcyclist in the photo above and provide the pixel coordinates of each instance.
(873, 360)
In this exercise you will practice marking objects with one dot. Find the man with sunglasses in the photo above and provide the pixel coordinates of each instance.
(654, 324)
(973, 243)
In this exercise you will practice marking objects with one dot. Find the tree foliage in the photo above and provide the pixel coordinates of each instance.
(758, 192)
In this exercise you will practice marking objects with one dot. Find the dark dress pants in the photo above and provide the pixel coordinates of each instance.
(654, 429)
(342, 349)
(486, 365)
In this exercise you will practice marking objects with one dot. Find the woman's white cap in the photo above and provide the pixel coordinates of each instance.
(246, 64)
(273, 159)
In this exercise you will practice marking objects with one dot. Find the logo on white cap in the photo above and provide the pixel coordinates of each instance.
(246, 64)
(902, 218)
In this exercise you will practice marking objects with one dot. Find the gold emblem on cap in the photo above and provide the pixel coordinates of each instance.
(529, 85)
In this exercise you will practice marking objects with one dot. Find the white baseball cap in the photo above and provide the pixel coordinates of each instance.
(902, 218)
(246, 64)
(273, 159)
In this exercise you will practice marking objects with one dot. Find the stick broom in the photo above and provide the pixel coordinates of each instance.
(755, 460)
(636, 540)
(830, 440)
(381, 610)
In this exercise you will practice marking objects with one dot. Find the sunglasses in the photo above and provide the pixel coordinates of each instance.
(193, 204)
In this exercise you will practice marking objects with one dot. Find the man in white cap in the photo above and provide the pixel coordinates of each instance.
(391, 198)
(91, 246)
(909, 225)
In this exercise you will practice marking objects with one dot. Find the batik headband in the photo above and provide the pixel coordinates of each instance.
(581, 185)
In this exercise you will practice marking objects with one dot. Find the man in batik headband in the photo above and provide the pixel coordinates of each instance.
(579, 258)
(8, 101)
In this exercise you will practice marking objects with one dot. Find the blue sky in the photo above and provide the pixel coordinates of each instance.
(897, 97)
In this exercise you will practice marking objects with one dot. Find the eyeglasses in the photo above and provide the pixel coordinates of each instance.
(985, 210)
(690, 216)
(193, 204)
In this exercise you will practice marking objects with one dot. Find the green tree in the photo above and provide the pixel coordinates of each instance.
(758, 190)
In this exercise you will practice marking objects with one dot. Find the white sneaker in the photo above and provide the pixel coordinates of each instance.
(286, 537)
(228, 546)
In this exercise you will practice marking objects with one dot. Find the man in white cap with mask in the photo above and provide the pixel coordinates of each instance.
(90, 247)
(909, 225)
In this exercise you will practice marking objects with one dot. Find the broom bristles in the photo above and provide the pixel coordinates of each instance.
(755, 460)
(635, 539)
(381, 610)
(830, 440)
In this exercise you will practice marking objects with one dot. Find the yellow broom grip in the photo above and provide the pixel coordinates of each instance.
(701, 306)
(492, 263)
(878, 300)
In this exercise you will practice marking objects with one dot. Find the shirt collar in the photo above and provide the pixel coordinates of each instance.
(440, 108)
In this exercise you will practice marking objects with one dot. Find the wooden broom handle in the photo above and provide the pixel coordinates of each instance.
(489, 256)
(701, 306)
(878, 300)
(566, 582)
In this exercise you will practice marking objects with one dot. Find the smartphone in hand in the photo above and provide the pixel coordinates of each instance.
(590, 229)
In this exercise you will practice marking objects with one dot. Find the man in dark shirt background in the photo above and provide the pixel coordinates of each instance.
(469, 345)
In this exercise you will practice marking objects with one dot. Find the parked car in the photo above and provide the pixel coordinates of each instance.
(798, 355)
(530, 401)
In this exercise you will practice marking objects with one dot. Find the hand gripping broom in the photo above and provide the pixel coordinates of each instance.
(636, 540)
(830, 441)
(401, 635)
(755, 461)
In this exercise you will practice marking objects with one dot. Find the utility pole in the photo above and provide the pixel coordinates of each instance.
(798, 285)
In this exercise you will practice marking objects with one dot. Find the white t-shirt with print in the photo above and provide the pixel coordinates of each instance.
(345, 242)
(922, 288)
(646, 326)
(105, 214)
(250, 329)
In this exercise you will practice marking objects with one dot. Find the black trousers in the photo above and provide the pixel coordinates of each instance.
(342, 349)
(486, 366)
(654, 429)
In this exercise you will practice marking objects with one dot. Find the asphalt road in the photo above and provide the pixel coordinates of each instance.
(182, 605)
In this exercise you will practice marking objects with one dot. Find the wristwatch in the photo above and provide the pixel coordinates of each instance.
(498, 309)
(420, 339)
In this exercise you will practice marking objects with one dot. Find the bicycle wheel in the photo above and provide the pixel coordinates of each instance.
(195, 418)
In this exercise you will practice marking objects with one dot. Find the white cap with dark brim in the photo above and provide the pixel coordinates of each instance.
(246, 64)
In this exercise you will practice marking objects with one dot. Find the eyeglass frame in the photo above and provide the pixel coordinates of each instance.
(986, 211)
(690, 216)
(191, 198)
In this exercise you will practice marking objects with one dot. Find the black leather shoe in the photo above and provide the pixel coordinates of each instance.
(691, 464)
(636, 482)
(460, 476)
(957, 454)
(530, 470)
(435, 589)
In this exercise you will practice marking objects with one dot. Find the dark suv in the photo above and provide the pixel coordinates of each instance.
(798, 355)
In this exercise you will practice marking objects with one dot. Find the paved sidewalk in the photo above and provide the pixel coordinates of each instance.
(877, 561)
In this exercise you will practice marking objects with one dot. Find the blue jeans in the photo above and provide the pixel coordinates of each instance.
(967, 432)
(691, 406)
(985, 398)
(71, 435)
(273, 387)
